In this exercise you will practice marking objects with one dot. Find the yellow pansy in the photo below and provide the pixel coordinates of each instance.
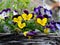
(19, 19)
(21, 25)
(27, 17)
(25, 33)
(42, 21)
(46, 30)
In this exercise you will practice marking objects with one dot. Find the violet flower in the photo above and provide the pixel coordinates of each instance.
(31, 33)
(52, 25)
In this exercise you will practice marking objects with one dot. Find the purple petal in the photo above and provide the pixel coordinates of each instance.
(36, 9)
(47, 26)
(46, 16)
(40, 7)
(52, 27)
(45, 10)
(15, 10)
(40, 16)
(25, 11)
(31, 33)
(53, 22)
(4, 10)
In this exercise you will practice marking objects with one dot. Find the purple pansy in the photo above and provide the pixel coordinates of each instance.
(52, 25)
(31, 33)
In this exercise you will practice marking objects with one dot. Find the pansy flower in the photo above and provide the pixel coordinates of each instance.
(27, 17)
(18, 20)
(42, 21)
(5, 13)
(52, 25)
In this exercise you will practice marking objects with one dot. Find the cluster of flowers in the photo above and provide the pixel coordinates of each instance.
(30, 23)
(6, 13)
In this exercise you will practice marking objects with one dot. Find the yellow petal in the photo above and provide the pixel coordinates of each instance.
(20, 18)
(42, 22)
(46, 30)
(39, 20)
(25, 33)
(21, 25)
(29, 16)
(24, 16)
(15, 20)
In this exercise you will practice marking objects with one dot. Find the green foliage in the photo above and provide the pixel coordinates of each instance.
(15, 4)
